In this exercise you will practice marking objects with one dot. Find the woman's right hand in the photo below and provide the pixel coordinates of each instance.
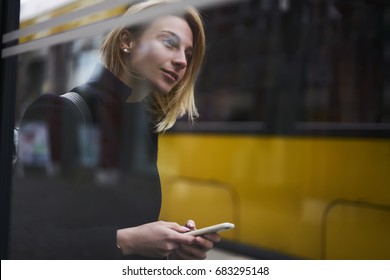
(155, 240)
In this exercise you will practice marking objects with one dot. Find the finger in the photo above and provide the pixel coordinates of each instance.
(178, 228)
(203, 243)
(213, 237)
(180, 255)
(193, 252)
(179, 238)
(184, 239)
(191, 224)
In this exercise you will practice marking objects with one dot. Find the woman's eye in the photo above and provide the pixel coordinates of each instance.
(170, 42)
(188, 55)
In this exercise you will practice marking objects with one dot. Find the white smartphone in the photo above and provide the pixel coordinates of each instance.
(211, 229)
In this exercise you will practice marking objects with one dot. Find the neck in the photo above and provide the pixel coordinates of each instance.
(137, 95)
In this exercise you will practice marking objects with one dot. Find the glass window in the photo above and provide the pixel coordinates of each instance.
(346, 77)
(231, 84)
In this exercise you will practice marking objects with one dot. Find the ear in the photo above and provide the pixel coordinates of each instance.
(125, 40)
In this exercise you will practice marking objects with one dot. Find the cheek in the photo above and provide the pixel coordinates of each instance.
(150, 54)
(142, 50)
(138, 57)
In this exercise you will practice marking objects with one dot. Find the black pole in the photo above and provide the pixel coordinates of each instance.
(9, 21)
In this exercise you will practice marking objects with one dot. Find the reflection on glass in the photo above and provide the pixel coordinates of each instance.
(281, 63)
(33, 145)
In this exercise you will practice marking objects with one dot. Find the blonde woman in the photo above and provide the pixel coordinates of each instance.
(145, 82)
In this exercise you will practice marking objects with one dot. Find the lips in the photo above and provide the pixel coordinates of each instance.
(171, 75)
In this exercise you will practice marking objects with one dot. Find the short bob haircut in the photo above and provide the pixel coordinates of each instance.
(180, 100)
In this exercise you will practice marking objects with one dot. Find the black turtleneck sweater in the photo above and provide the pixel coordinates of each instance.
(98, 176)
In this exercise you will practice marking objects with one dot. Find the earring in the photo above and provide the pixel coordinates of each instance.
(126, 50)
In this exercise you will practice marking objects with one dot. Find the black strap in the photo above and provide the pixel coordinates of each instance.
(77, 100)
(74, 98)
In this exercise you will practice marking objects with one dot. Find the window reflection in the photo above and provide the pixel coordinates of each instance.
(345, 77)
(284, 62)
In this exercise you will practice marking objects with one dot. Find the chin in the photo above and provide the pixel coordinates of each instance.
(163, 90)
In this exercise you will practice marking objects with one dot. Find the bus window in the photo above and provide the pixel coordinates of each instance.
(230, 87)
(346, 78)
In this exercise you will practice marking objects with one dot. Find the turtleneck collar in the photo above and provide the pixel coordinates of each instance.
(104, 79)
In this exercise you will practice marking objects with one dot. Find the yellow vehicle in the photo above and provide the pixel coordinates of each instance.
(311, 197)
(293, 140)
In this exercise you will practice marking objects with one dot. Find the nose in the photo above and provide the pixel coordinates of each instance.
(180, 59)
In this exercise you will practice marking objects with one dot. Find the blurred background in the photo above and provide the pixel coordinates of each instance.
(293, 140)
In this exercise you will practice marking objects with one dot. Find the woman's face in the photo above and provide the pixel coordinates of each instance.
(162, 52)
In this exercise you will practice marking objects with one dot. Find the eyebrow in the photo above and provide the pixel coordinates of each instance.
(176, 37)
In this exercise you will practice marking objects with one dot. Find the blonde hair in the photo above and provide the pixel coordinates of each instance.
(180, 100)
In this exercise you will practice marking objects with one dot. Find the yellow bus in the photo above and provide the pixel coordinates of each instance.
(292, 144)
(293, 140)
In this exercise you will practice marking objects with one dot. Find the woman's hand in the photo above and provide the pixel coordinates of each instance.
(199, 248)
(155, 240)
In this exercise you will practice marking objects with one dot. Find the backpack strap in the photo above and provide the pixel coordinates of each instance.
(90, 134)
(15, 148)
(77, 100)
(74, 98)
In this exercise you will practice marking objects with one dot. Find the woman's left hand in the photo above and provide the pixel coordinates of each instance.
(197, 251)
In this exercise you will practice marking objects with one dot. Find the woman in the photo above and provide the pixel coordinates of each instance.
(145, 83)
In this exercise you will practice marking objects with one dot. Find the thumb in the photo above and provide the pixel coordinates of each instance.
(179, 228)
(190, 224)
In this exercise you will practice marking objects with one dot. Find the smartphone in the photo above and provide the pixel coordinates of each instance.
(211, 229)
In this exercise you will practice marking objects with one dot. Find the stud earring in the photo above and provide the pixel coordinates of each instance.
(126, 50)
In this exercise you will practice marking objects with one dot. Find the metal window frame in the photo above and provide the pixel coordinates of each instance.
(9, 14)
